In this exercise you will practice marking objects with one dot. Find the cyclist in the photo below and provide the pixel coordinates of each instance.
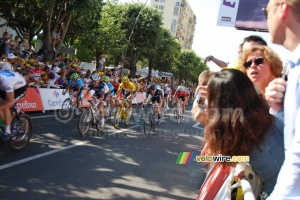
(129, 89)
(181, 94)
(12, 88)
(156, 97)
(101, 93)
(167, 92)
(75, 84)
(106, 80)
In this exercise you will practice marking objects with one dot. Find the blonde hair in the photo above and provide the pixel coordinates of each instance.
(270, 56)
(204, 77)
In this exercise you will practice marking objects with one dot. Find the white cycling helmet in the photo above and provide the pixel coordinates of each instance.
(180, 88)
(96, 77)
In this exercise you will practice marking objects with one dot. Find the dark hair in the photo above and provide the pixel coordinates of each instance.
(237, 118)
(255, 38)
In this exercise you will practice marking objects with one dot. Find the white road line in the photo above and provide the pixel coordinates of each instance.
(38, 117)
(196, 126)
(40, 156)
(122, 130)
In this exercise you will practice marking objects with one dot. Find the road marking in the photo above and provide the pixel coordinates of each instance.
(121, 130)
(38, 117)
(196, 126)
(40, 155)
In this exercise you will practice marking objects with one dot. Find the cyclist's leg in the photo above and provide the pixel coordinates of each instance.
(184, 100)
(102, 112)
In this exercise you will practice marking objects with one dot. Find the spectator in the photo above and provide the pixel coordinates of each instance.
(252, 40)
(56, 35)
(101, 62)
(198, 110)
(8, 64)
(239, 123)
(262, 65)
(284, 27)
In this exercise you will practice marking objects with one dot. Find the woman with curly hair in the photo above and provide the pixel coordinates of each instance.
(262, 65)
(238, 123)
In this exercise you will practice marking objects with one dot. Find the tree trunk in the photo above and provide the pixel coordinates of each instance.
(150, 67)
(132, 63)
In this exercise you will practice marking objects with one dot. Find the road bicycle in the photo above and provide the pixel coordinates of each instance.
(178, 112)
(91, 117)
(69, 105)
(151, 119)
(122, 113)
(21, 130)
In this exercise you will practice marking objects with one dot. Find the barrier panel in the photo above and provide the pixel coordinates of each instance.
(41, 99)
(32, 101)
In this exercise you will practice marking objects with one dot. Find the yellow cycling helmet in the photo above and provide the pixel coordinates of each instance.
(125, 79)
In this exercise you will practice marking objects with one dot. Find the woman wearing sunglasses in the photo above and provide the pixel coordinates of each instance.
(262, 65)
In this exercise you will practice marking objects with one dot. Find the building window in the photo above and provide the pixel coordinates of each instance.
(177, 4)
(173, 26)
(163, 1)
(161, 7)
(176, 11)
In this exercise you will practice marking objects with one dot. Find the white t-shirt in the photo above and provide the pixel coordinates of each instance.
(10, 80)
(6, 66)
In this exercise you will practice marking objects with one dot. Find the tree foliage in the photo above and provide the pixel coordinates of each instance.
(189, 67)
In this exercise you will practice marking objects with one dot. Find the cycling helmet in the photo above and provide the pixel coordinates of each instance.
(95, 77)
(180, 88)
(74, 75)
(125, 79)
(152, 86)
(105, 78)
(158, 87)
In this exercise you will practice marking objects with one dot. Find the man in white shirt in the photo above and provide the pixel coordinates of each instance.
(7, 65)
(284, 26)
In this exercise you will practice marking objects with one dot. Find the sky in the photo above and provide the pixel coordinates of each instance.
(220, 42)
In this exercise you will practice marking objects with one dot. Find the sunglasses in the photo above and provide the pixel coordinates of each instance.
(257, 61)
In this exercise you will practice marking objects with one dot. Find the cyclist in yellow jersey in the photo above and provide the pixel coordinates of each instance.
(129, 89)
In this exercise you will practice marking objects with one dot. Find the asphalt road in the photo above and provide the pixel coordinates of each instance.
(115, 164)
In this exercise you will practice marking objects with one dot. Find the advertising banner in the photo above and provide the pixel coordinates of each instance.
(227, 13)
(32, 101)
(52, 99)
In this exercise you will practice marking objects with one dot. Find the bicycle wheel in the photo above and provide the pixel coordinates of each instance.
(147, 124)
(128, 116)
(84, 122)
(66, 109)
(117, 117)
(21, 128)
(178, 117)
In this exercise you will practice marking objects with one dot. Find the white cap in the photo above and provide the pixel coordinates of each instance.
(11, 56)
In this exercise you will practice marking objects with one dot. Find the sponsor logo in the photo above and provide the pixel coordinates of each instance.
(26, 105)
(226, 19)
(56, 93)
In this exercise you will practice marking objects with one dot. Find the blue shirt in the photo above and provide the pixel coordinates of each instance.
(111, 87)
(268, 159)
(76, 84)
(288, 182)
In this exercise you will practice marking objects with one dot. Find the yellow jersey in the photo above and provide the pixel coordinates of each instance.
(129, 87)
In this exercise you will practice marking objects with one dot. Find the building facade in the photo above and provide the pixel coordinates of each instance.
(179, 18)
